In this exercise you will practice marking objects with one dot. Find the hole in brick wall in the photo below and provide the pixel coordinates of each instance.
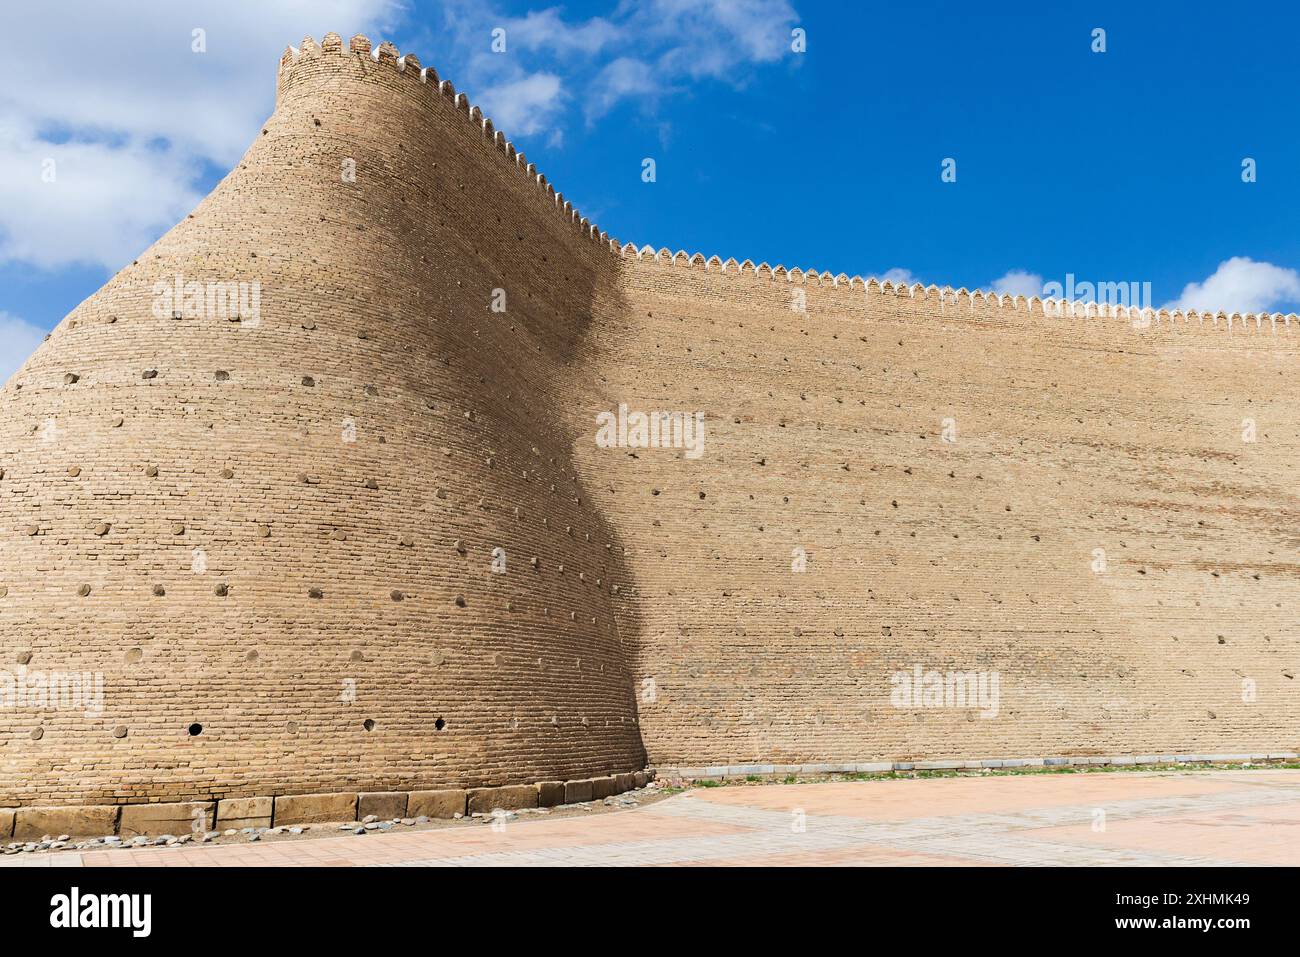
(119, 731)
(222, 375)
(440, 724)
(368, 724)
(195, 730)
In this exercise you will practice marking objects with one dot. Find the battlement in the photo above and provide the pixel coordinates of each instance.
(973, 300)
(439, 91)
(408, 65)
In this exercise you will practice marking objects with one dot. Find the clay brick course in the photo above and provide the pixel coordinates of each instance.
(356, 532)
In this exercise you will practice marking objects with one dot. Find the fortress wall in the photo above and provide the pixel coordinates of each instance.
(374, 320)
(284, 526)
(824, 433)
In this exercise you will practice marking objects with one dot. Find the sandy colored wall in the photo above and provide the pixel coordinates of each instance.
(824, 432)
(282, 528)
(377, 293)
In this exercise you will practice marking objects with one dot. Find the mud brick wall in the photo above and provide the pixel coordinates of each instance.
(275, 535)
(825, 432)
(348, 631)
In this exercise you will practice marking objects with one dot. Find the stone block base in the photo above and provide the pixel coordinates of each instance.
(512, 797)
(184, 818)
(240, 813)
(384, 805)
(441, 804)
(189, 817)
(314, 808)
(90, 820)
(550, 793)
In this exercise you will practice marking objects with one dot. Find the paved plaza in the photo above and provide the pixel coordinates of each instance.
(1241, 818)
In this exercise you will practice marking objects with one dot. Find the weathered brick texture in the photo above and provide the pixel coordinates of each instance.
(417, 667)
(346, 465)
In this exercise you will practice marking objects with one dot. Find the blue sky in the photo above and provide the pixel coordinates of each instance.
(1114, 167)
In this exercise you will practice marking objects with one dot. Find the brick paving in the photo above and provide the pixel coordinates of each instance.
(1235, 818)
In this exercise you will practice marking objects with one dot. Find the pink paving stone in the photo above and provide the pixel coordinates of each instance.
(397, 846)
(1268, 835)
(904, 798)
(866, 855)
(1248, 817)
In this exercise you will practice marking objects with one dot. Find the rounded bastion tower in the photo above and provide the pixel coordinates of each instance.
(288, 507)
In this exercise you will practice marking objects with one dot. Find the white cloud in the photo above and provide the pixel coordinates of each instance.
(547, 30)
(145, 111)
(133, 117)
(899, 275)
(643, 50)
(711, 38)
(526, 105)
(18, 340)
(621, 79)
(1241, 284)
(91, 202)
(1018, 282)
